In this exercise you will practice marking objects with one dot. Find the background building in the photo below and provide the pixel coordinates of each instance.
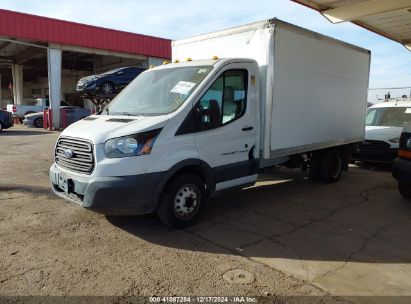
(41, 57)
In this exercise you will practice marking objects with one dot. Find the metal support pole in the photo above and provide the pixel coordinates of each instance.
(17, 72)
(54, 74)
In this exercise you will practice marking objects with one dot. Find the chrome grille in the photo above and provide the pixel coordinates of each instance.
(81, 160)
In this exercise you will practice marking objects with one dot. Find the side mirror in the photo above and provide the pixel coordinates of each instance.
(206, 119)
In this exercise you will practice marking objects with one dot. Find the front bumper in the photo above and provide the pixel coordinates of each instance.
(117, 195)
(87, 88)
(401, 170)
(28, 123)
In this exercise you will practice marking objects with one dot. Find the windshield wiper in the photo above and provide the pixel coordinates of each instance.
(122, 113)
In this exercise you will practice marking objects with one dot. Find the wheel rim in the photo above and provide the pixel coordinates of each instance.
(186, 201)
(335, 167)
(107, 89)
(39, 122)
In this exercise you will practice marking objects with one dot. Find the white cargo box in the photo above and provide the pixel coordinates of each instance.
(313, 88)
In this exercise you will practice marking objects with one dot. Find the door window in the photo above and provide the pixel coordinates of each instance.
(225, 101)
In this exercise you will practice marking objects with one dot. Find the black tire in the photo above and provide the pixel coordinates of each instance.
(315, 162)
(331, 166)
(182, 202)
(405, 190)
(107, 88)
(38, 122)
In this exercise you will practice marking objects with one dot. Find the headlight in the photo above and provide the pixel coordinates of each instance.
(395, 140)
(133, 145)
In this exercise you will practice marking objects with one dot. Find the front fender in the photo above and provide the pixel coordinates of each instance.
(203, 167)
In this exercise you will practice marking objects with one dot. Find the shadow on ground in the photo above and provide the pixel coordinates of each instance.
(362, 218)
(19, 132)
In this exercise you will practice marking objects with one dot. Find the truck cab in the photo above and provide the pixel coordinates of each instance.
(183, 130)
(401, 169)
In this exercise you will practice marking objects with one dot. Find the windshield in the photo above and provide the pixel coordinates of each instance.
(157, 92)
(389, 117)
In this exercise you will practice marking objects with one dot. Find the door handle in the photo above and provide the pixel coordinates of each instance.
(247, 129)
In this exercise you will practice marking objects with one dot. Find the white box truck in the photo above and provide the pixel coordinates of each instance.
(276, 94)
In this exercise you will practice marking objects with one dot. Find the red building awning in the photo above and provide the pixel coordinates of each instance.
(42, 29)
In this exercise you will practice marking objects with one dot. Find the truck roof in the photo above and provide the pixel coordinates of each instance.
(274, 22)
(203, 62)
(393, 104)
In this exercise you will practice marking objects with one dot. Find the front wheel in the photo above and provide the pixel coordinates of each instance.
(38, 122)
(405, 189)
(182, 202)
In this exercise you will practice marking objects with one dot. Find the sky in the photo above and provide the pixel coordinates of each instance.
(390, 63)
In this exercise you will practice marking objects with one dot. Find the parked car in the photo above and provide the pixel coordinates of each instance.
(19, 110)
(6, 120)
(384, 124)
(108, 83)
(73, 114)
(401, 169)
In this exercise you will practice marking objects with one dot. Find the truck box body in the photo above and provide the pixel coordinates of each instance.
(313, 88)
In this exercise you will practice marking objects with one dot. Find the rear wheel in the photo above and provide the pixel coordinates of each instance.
(405, 189)
(331, 166)
(38, 122)
(182, 202)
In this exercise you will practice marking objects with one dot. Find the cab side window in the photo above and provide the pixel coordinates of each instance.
(225, 101)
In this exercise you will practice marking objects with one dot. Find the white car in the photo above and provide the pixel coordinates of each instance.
(73, 114)
(384, 123)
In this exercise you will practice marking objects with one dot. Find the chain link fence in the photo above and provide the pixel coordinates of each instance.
(376, 95)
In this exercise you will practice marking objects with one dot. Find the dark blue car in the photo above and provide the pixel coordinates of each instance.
(108, 83)
(6, 120)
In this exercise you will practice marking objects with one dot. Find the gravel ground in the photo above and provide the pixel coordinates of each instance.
(49, 247)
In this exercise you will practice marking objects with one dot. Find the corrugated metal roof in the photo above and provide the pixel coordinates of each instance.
(42, 29)
(391, 19)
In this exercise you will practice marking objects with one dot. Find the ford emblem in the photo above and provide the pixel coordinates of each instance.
(68, 153)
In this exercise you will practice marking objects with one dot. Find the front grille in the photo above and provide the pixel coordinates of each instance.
(81, 160)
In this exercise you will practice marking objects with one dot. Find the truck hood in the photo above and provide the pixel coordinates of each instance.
(382, 133)
(34, 115)
(99, 128)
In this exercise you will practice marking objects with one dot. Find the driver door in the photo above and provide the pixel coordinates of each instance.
(227, 139)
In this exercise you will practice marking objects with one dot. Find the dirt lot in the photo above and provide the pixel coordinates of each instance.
(290, 235)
